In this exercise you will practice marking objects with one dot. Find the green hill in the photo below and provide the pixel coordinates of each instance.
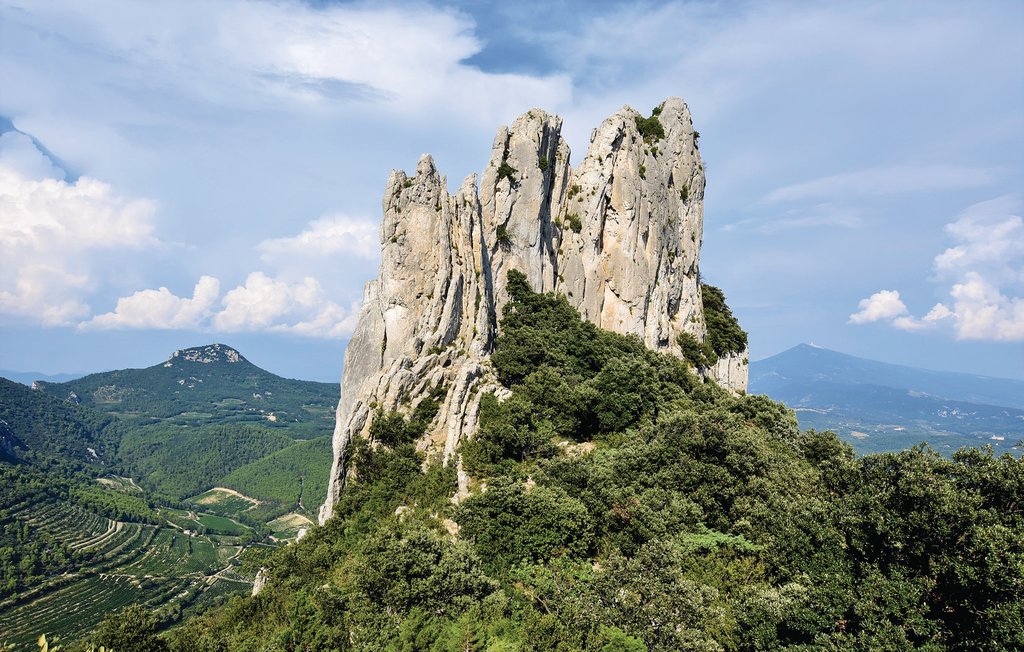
(33, 424)
(186, 425)
(204, 385)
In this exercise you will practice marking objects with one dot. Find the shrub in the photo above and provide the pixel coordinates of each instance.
(700, 354)
(543, 163)
(650, 128)
(502, 237)
(574, 222)
(724, 332)
(392, 429)
(506, 171)
(509, 525)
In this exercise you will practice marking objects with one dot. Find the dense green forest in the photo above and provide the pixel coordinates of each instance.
(293, 478)
(186, 460)
(39, 426)
(619, 503)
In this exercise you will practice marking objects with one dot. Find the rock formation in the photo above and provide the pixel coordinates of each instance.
(619, 235)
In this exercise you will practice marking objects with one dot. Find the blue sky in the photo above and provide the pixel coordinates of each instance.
(176, 173)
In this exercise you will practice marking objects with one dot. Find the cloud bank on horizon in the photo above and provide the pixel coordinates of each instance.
(229, 157)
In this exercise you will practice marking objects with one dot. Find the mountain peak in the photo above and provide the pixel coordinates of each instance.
(618, 235)
(211, 353)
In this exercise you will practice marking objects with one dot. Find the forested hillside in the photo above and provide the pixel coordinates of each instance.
(206, 385)
(34, 425)
(619, 503)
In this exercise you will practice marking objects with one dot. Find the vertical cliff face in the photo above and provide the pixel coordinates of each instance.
(619, 235)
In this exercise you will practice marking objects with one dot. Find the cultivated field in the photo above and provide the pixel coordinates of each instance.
(160, 566)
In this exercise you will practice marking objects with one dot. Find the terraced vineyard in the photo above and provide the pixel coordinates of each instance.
(161, 566)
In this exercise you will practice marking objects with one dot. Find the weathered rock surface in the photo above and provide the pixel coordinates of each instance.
(619, 235)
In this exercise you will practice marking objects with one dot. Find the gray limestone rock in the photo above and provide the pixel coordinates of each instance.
(619, 235)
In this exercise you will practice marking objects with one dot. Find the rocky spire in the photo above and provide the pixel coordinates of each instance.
(619, 235)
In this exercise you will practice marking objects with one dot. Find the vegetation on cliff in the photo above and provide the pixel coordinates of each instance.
(630, 506)
(724, 334)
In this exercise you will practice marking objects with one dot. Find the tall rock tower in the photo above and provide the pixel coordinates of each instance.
(619, 235)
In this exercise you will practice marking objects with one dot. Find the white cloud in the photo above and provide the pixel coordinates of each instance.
(884, 180)
(328, 236)
(52, 234)
(982, 312)
(908, 323)
(938, 312)
(245, 54)
(990, 237)
(263, 303)
(885, 304)
(987, 261)
(822, 215)
(161, 309)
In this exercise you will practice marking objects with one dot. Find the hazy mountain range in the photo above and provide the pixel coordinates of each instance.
(878, 406)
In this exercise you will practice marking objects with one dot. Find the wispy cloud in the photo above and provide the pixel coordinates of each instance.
(820, 216)
(884, 180)
(290, 53)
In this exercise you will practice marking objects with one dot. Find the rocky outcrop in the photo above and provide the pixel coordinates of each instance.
(619, 235)
(731, 370)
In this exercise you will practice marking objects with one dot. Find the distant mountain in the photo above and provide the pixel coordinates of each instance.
(206, 384)
(806, 362)
(878, 406)
(29, 377)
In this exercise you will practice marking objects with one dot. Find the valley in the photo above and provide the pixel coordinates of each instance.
(130, 487)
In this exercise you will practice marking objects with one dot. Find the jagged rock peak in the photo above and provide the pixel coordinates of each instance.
(619, 235)
(211, 353)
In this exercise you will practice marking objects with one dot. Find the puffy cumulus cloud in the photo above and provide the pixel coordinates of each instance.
(982, 312)
(161, 309)
(986, 262)
(879, 306)
(262, 303)
(327, 236)
(52, 233)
